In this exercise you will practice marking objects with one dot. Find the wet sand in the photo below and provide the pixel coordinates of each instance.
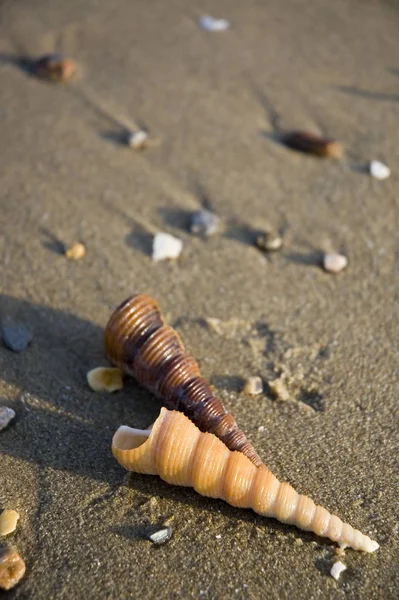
(327, 67)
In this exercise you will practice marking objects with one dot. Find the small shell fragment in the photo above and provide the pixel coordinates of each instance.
(253, 386)
(205, 223)
(161, 536)
(12, 568)
(6, 416)
(378, 170)
(138, 140)
(15, 336)
(166, 246)
(311, 143)
(105, 379)
(209, 23)
(8, 521)
(55, 67)
(334, 263)
(269, 241)
(336, 570)
(76, 251)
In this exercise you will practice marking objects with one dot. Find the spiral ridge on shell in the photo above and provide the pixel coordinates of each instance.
(138, 341)
(177, 451)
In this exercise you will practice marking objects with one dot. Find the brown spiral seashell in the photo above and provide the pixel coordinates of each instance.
(177, 451)
(139, 343)
(311, 143)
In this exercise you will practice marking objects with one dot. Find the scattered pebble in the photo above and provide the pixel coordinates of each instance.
(138, 140)
(161, 536)
(8, 521)
(311, 143)
(15, 336)
(378, 170)
(261, 428)
(253, 386)
(104, 379)
(12, 568)
(209, 23)
(269, 241)
(55, 67)
(334, 263)
(279, 389)
(336, 570)
(166, 246)
(6, 416)
(76, 251)
(204, 222)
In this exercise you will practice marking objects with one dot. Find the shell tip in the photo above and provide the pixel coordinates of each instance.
(371, 546)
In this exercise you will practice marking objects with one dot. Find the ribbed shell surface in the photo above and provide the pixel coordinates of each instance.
(139, 342)
(181, 454)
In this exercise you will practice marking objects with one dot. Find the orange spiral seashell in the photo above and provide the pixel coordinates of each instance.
(177, 451)
(138, 341)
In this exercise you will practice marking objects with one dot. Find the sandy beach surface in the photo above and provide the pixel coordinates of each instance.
(211, 99)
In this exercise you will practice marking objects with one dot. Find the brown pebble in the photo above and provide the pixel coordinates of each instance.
(8, 521)
(334, 263)
(269, 241)
(6, 416)
(76, 251)
(253, 386)
(103, 379)
(55, 67)
(12, 567)
(312, 143)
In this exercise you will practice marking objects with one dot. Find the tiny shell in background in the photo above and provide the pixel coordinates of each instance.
(105, 379)
(76, 252)
(336, 570)
(269, 241)
(205, 223)
(334, 263)
(138, 140)
(209, 23)
(55, 67)
(6, 416)
(378, 170)
(166, 247)
(8, 521)
(12, 568)
(311, 143)
(253, 386)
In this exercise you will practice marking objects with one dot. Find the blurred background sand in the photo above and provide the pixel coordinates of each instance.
(328, 67)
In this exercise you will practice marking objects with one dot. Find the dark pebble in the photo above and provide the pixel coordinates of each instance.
(16, 337)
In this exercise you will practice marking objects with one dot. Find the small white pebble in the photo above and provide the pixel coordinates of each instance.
(218, 537)
(334, 263)
(261, 428)
(6, 416)
(211, 24)
(8, 521)
(166, 246)
(253, 386)
(138, 139)
(161, 536)
(378, 170)
(336, 570)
